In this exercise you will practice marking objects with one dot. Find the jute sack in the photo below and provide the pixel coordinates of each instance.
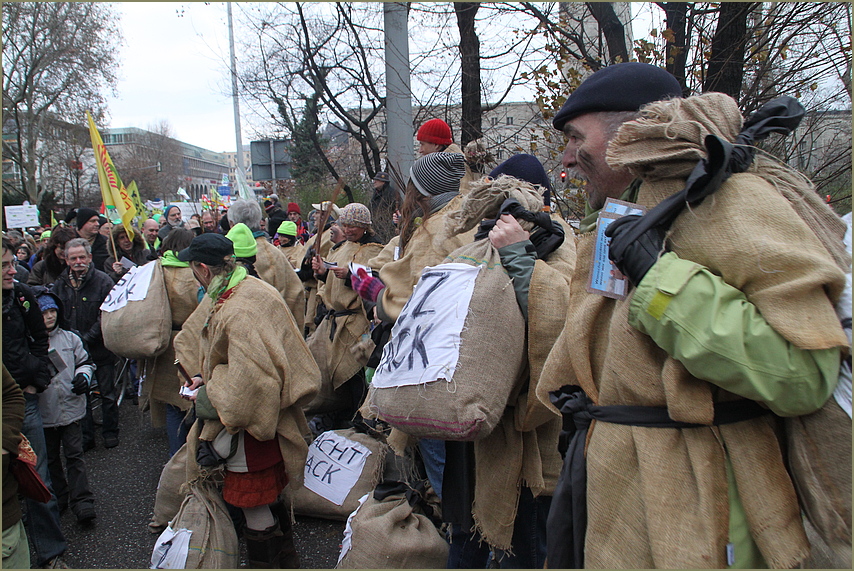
(338, 469)
(169, 497)
(393, 533)
(328, 399)
(490, 351)
(142, 328)
(213, 544)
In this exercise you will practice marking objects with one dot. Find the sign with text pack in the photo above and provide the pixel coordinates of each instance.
(133, 286)
(425, 340)
(334, 465)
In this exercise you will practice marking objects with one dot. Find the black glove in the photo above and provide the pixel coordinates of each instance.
(634, 250)
(80, 384)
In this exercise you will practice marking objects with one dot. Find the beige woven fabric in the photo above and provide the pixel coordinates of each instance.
(658, 497)
(294, 254)
(428, 246)
(264, 389)
(274, 268)
(338, 296)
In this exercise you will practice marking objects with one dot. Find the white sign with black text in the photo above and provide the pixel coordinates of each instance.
(334, 465)
(425, 340)
(133, 286)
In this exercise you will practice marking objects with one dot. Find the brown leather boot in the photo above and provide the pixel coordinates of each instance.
(288, 557)
(263, 547)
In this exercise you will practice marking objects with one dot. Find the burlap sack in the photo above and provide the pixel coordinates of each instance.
(306, 502)
(328, 399)
(819, 446)
(169, 496)
(491, 362)
(390, 534)
(141, 329)
(213, 544)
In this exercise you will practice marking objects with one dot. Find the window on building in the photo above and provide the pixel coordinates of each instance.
(499, 155)
(493, 121)
(509, 120)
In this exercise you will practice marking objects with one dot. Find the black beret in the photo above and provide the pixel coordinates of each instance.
(524, 167)
(210, 248)
(619, 87)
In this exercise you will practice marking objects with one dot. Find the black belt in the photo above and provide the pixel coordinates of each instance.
(332, 314)
(568, 524)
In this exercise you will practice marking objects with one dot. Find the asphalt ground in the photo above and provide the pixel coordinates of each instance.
(124, 481)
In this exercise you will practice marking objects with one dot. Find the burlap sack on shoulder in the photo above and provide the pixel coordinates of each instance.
(306, 502)
(213, 544)
(327, 399)
(141, 329)
(169, 496)
(390, 534)
(491, 362)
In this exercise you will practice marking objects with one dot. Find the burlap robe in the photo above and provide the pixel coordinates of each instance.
(310, 285)
(257, 377)
(338, 296)
(162, 381)
(274, 268)
(140, 329)
(306, 502)
(294, 253)
(659, 497)
(428, 246)
(170, 495)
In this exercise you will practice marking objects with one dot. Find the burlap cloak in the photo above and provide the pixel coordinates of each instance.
(274, 268)
(659, 497)
(258, 377)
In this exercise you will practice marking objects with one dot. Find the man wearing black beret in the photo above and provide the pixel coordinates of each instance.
(682, 468)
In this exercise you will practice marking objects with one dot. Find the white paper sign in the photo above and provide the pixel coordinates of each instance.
(21, 216)
(133, 286)
(334, 465)
(347, 543)
(425, 339)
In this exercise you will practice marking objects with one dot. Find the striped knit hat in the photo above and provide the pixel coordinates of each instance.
(355, 214)
(438, 173)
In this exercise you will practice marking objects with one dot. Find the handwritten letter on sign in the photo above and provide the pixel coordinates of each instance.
(425, 339)
(133, 286)
(333, 466)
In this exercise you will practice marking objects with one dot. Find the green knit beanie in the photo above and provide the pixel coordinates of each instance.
(287, 228)
(244, 242)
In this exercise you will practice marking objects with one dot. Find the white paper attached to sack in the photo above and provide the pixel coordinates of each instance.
(170, 551)
(334, 465)
(425, 340)
(133, 286)
(347, 543)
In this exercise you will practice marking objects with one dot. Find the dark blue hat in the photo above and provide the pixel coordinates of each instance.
(619, 87)
(209, 248)
(524, 167)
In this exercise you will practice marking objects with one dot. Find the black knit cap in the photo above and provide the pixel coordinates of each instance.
(84, 215)
(438, 173)
(524, 167)
(209, 248)
(619, 87)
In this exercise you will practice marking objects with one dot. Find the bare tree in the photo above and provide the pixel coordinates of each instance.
(58, 58)
(152, 159)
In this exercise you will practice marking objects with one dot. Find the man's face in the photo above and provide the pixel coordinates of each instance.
(9, 270)
(335, 233)
(174, 216)
(149, 231)
(584, 160)
(352, 233)
(89, 229)
(202, 273)
(294, 217)
(49, 317)
(208, 222)
(378, 184)
(77, 259)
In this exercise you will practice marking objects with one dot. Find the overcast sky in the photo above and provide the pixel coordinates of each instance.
(175, 69)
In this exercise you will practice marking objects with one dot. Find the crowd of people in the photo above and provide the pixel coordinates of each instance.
(728, 323)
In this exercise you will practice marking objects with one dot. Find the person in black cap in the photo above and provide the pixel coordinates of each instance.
(254, 379)
(88, 228)
(383, 203)
(682, 468)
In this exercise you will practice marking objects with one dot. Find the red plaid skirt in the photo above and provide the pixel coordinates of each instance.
(253, 489)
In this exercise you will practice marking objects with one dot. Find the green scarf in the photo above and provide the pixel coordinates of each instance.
(170, 260)
(588, 223)
(216, 289)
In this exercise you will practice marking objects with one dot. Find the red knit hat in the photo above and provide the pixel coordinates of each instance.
(435, 131)
(294, 207)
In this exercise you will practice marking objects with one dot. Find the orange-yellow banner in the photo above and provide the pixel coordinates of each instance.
(113, 192)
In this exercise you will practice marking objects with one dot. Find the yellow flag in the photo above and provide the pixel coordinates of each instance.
(216, 198)
(135, 198)
(113, 192)
(52, 220)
